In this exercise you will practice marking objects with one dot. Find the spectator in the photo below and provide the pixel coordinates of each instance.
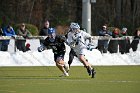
(44, 30)
(113, 44)
(124, 45)
(8, 31)
(135, 42)
(103, 44)
(22, 31)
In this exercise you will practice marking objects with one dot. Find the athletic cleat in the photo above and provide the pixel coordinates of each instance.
(64, 75)
(89, 72)
(93, 72)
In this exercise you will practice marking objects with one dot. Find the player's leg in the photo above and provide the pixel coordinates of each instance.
(86, 64)
(60, 64)
(71, 57)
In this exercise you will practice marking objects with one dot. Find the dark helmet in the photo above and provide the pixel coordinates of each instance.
(51, 34)
(51, 31)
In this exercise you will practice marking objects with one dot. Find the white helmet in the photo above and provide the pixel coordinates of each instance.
(74, 25)
(124, 29)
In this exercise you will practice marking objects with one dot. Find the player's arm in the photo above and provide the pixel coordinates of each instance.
(43, 46)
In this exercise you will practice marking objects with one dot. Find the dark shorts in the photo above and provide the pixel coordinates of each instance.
(58, 57)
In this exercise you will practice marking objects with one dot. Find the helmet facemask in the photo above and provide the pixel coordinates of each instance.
(74, 27)
(51, 34)
(52, 37)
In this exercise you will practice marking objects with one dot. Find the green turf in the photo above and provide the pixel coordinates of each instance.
(109, 79)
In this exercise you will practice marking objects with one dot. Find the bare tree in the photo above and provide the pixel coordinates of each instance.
(118, 12)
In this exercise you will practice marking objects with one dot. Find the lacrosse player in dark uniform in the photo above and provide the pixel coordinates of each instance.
(57, 44)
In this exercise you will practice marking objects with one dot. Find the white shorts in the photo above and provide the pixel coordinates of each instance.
(80, 51)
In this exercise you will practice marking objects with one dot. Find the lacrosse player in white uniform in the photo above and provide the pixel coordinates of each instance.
(77, 41)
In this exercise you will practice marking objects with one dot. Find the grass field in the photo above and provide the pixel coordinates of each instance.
(109, 79)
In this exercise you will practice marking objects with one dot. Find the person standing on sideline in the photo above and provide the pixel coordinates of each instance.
(103, 44)
(124, 45)
(135, 42)
(113, 44)
(24, 32)
(57, 44)
(77, 41)
(44, 30)
(8, 31)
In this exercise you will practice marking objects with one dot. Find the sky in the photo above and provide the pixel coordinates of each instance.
(45, 58)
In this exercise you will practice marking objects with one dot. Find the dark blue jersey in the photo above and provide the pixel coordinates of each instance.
(58, 46)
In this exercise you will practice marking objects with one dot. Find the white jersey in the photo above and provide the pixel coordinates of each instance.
(79, 41)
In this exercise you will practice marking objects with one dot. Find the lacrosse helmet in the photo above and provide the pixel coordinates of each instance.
(51, 34)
